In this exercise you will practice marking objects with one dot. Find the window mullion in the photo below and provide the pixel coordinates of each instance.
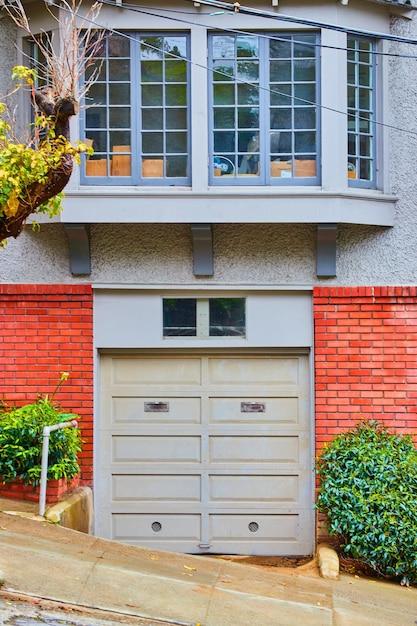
(264, 102)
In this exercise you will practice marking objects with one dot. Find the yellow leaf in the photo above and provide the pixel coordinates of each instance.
(12, 205)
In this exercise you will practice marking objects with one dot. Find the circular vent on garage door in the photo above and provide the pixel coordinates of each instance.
(253, 527)
(156, 527)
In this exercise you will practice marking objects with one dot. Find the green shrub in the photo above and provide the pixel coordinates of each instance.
(21, 443)
(368, 489)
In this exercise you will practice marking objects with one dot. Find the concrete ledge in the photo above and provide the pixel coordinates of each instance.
(328, 562)
(75, 511)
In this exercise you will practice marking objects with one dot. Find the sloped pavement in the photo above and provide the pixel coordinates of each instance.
(52, 562)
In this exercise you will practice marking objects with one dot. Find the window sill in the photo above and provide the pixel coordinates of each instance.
(218, 205)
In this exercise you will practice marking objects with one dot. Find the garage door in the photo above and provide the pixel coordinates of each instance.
(205, 453)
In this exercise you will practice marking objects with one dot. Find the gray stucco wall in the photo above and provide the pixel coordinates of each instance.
(246, 254)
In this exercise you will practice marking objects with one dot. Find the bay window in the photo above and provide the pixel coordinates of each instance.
(264, 118)
(137, 112)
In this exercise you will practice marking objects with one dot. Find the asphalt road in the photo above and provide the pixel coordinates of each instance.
(27, 614)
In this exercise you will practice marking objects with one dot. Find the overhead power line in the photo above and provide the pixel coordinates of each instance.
(142, 9)
(217, 71)
(281, 17)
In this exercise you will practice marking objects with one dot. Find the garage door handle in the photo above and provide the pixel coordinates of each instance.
(156, 407)
(252, 407)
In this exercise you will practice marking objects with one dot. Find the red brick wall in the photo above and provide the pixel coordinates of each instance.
(365, 358)
(44, 330)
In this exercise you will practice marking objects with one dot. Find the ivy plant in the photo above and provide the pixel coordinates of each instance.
(21, 432)
(368, 489)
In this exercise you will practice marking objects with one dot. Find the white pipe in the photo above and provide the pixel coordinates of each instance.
(45, 453)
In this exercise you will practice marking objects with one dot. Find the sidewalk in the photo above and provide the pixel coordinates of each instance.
(63, 565)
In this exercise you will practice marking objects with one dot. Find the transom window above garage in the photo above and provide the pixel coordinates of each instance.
(202, 318)
(137, 111)
(264, 120)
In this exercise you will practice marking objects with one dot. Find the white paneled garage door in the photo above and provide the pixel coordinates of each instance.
(205, 452)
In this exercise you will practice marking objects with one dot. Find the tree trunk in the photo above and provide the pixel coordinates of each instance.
(38, 193)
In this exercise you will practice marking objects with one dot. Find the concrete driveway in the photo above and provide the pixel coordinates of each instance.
(53, 562)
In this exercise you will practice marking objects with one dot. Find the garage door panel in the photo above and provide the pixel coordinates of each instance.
(253, 371)
(156, 371)
(251, 410)
(155, 410)
(257, 489)
(254, 449)
(156, 449)
(148, 487)
(155, 527)
(253, 528)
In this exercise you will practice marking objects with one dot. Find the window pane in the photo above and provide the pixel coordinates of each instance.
(224, 165)
(304, 118)
(98, 139)
(96, 117)
(227, 317)
(224, 141)
(280, 71)
(176, 142)
(305, 142)
(151, 95)
(176, 118)
(248, 165)
(248, 142)
(180, 317)
(224, 94)
(305, 166)
(248, 118)
(119, 69)
(246, 94)
(119, 46)
(151, 71)
(281, 166)
(247, 46)
(224, 118)
(281, 95)
(175, 46)
(281, 142)
(223, 70)
(97, 94)
(223, 47)
(119, 94)
(175, 95)
(119, 141)
(248, 70)
(304, 70)
(176, 71)
(360, 92)
(119, 118)
(280, 49)
(281, 118)
(152, 143)
(151, 47)
(152, 119)
(176, 166)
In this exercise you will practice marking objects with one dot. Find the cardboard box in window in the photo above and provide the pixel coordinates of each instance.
(120, 164)
(96, 167)
(305, 168)
(281, 169)
(152, 168)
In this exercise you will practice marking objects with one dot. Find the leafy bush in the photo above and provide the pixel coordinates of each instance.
(368, 490)
(21, 443)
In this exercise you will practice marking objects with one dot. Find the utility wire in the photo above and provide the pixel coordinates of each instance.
(238, 8)
(142, 9)
(243, 82)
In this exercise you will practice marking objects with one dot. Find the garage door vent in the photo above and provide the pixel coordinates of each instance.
(156, 527)
(253, 527)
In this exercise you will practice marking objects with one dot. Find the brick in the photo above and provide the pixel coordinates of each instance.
(366, 358)
(47, 329)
